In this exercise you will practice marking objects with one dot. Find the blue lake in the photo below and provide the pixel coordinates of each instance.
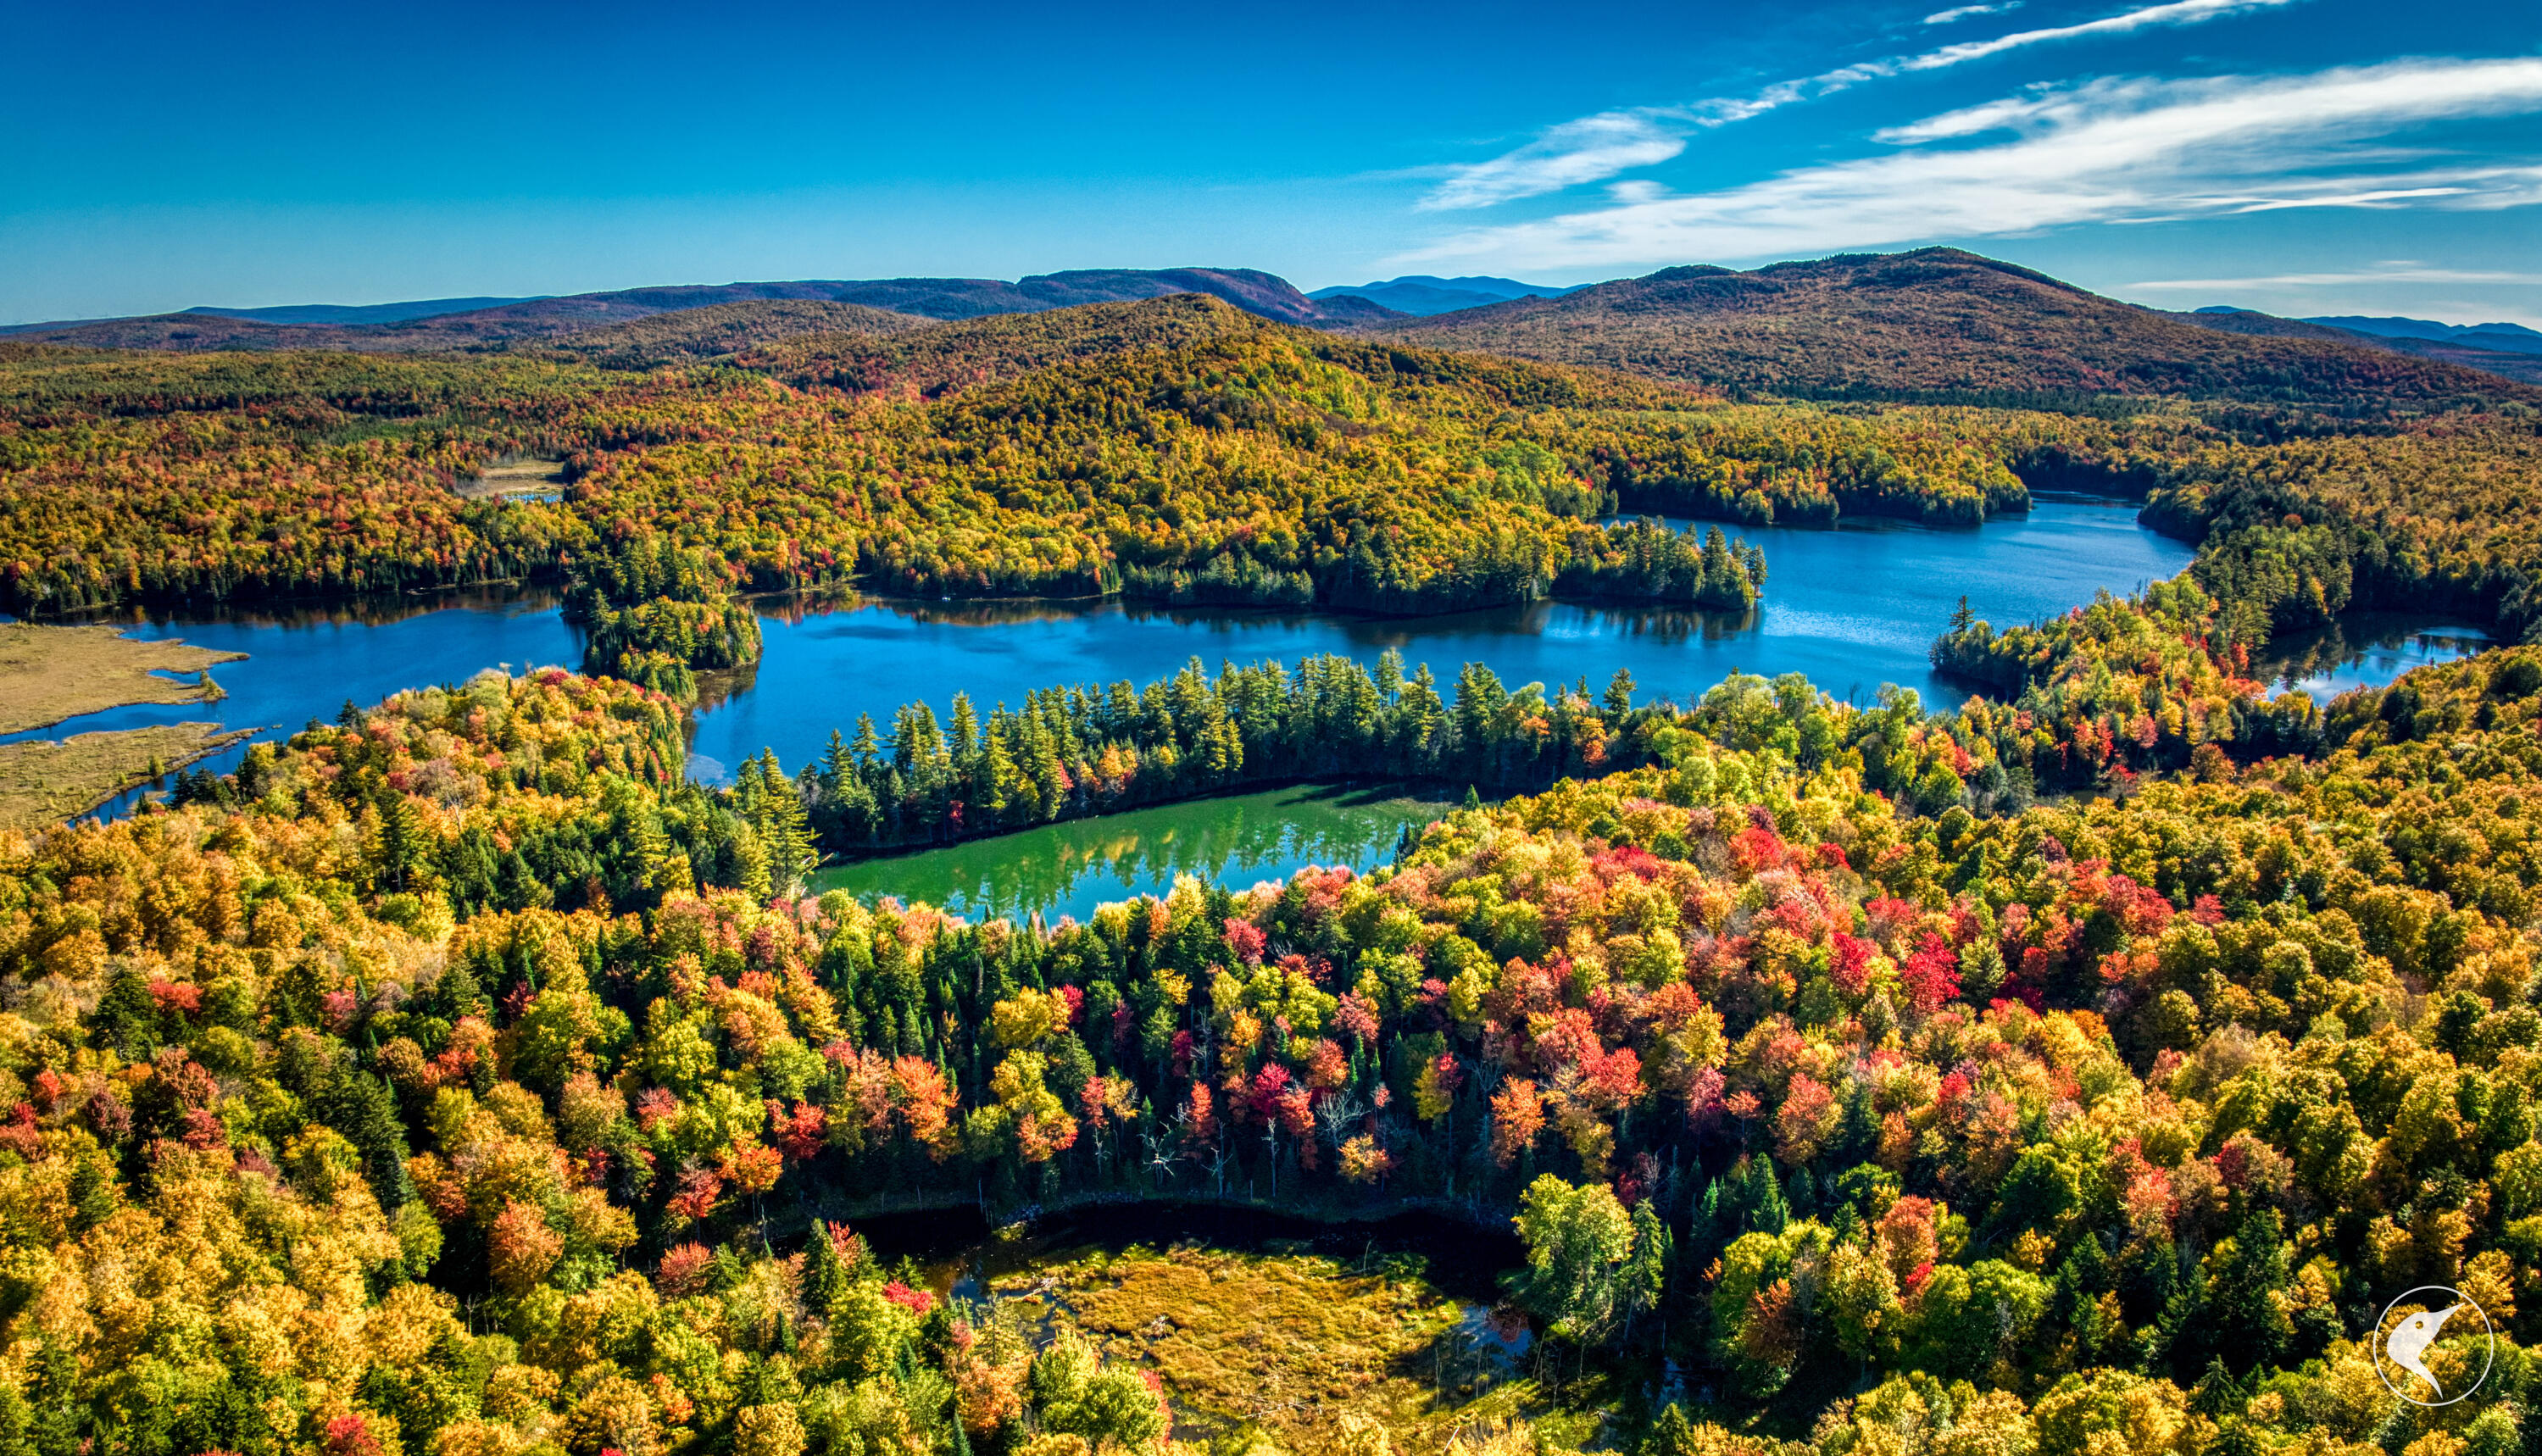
(1853, 609)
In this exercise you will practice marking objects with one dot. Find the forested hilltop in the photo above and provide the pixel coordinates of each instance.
(2076, 1073)
(1935, 324)
(1175, 448)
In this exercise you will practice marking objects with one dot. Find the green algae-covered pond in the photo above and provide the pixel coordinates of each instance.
(1068, 869)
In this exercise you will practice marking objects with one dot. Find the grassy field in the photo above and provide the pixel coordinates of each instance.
(52, 673)
(1296, 1352)
(515, 477)
(44, 781)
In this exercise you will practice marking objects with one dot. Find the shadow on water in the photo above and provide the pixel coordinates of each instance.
(380, 609)
(964, 1255)
(1361, 634)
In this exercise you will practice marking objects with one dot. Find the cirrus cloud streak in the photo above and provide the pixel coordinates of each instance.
(1594, 148)
(2108, 151)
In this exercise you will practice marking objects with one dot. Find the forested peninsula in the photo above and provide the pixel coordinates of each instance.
(2080, 1070)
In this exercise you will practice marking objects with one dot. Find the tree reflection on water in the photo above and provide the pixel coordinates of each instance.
(1069, 868)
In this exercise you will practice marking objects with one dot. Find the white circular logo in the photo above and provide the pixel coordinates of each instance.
(2402, 1346)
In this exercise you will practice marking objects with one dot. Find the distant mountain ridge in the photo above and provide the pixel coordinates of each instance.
(682, 335)
(2514, 338)
(1422, 294)
(2489, 347)
(387, 313)
(482, 324)
(1935, 324)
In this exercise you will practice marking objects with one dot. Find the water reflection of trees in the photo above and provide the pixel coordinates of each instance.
(2347, 643)
(1217, 840)
(1364, 634)
(715, 689)
(382, 609)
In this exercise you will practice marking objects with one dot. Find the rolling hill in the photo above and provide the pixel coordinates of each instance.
(387, 313)
(719, 329)
(1934, 324)
(940, 359)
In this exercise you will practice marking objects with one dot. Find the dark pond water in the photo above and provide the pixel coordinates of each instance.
(961, 1255)
(1853, 609)
(1068, 869)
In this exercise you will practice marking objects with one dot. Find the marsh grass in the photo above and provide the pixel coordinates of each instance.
(44, 781)
(52, 673)
(1280, 1348)
(541, 477)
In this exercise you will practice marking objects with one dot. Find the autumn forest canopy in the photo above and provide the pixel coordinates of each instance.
(2079, 1071)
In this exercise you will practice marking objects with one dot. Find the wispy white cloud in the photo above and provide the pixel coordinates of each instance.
(2342, 281)
(1588, 150)
(2112, 151)
(1595, 148)
(1963, 12)
(2178, 13)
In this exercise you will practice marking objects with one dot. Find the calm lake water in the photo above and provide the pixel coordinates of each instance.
(1854, 608)
(1068, 869)
(2366, 650)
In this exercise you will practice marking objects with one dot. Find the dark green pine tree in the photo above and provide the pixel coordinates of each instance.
(826, 1275)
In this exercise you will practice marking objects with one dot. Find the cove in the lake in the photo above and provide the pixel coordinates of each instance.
(1852, 609)
(1069, 868)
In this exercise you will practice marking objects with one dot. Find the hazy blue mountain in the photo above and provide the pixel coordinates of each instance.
(388, 313)
(2516, 356)
(2514, 338)
(1424, 295)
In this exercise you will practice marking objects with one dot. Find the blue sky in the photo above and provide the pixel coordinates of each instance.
(2303, 156)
